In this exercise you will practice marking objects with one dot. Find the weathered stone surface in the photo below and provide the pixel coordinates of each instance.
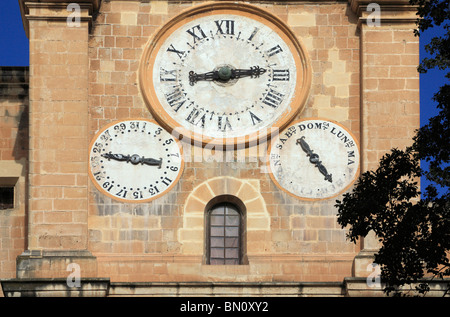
(82, 78)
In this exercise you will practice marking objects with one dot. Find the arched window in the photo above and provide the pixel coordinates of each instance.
(224, 234)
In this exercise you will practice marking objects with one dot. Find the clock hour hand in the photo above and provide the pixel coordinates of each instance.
(226, 73)
(314, 158)
(253, 72)
(133, 159)
(194, 77)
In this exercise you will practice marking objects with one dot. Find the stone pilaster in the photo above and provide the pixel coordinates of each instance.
(58, 137)
(390, 106)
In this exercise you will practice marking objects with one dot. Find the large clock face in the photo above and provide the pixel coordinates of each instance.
(134, 160)
(225, 73)
(314, 159)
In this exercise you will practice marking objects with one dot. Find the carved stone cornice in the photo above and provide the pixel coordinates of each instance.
(55, 10)
(391, 11)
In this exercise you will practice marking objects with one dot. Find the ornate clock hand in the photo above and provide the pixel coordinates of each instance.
(134, 159)
(253, 72)
(151, 161)
(194, 77)
(226, 73)
(117, 157)
(314, 158)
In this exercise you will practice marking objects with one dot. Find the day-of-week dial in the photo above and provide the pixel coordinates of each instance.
(314, 159)
(226, 75)
(135, 160)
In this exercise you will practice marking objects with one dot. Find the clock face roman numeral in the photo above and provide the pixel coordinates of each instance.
(192, 117)
(225, 27)
(223, 124)
(197, 33)
(167, 75)
(254, 117)
(274, 50)
(175, 99)
(253, 34)
(273, 98)
(174, 50)
(280, 75)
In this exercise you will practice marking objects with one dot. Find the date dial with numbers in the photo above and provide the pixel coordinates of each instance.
(134, 160)
(225, 73)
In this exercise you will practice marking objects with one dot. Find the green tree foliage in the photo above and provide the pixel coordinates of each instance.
(413, 227)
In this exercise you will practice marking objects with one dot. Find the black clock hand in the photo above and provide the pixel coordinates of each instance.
(253, 72)
(314, 158)
(133, 159)
(226, 73)
(194, 77)
(117, 157)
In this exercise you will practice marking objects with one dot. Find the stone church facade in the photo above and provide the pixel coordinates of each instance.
(85, 74)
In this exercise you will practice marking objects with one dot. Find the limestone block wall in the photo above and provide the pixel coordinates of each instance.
(13, 164)
(164, 240)
(83, 78)
(390, 90)
(58, 131)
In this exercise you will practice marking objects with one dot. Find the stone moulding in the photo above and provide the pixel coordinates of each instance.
(391, 11)
(358, 287)
(55, 10)
(54, 263)
(218, 289)
(103, 287)
(54, 287)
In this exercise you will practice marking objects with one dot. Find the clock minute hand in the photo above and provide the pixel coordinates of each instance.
(117, 157)
(226, 73)
(133, 159)
(151, 161)
(253, 72)
(194, 77)
(314, 158)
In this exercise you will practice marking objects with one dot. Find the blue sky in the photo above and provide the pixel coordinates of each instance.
(13, 42)
(14, 51)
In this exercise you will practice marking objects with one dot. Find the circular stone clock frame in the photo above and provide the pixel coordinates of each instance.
(322, 170)
(138, 167)
(158, 108)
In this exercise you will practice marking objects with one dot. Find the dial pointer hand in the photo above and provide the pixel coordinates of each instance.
(133, 159)
(226, 73)
(151, 161)
(194, 77)
(253, 72)
(314, 158)
(117, 157)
